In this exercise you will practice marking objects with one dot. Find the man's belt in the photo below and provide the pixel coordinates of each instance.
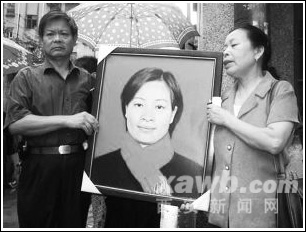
(61, 150)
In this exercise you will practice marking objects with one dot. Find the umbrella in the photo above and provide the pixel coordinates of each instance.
(15, 57)
(140, 25)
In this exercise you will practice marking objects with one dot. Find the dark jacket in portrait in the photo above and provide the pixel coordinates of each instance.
(111, 170)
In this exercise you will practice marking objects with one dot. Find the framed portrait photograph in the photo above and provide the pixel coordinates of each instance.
(153, 133)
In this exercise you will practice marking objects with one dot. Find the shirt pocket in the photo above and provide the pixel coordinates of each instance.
(82, 102)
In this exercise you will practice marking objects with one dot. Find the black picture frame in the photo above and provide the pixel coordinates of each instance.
(199, 75)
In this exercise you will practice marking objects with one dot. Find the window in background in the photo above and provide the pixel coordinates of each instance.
(31, 21)
(10, 9)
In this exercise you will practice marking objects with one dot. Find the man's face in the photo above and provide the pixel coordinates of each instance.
(57, 40)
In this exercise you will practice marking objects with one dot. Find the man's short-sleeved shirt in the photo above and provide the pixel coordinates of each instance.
(41, 91)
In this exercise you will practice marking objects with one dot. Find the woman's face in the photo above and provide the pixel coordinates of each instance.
(149, 114)
(239, 54)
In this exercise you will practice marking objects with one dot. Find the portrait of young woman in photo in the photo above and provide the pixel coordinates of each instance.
(152, 105)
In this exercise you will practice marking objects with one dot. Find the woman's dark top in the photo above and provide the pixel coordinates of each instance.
(130, 213)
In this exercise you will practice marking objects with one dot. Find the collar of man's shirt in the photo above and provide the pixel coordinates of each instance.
(47, 66)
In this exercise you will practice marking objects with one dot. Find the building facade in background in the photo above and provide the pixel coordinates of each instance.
(20, 20)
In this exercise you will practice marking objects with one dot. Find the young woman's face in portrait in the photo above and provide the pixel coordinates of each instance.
(57, 39)
(239, 54)
(149, 114)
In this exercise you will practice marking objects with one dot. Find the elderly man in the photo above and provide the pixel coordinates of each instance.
(48, 106)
